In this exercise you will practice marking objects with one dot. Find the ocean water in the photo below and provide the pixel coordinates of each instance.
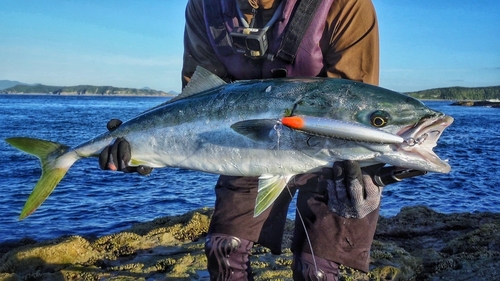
(92, 202)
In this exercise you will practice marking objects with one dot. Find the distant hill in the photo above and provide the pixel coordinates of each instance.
(82, 90)
(15, 87)
(459, 93)
(4, 84)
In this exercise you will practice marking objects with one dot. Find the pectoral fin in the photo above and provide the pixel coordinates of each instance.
(256, 129)
(270, 187)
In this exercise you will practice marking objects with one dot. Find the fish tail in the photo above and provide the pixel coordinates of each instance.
(55, 162)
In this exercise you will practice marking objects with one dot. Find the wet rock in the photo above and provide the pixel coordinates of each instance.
(417, 244)
(449, 246)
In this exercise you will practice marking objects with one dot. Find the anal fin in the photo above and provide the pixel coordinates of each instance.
(270, 187)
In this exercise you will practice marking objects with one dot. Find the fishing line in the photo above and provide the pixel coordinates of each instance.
(305, 231)
(278, 128)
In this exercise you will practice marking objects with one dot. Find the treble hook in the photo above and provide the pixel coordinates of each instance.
(412, 142)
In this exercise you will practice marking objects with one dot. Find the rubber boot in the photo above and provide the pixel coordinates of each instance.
(305, 267)
(228, 257)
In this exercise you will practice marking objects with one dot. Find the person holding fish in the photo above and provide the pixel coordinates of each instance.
(337, 208)
(268, 138)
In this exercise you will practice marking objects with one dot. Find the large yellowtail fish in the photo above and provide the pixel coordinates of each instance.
(274, 129)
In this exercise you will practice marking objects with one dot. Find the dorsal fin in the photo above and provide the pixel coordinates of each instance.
(201, 80)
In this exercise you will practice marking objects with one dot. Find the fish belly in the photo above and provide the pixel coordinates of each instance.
(216, 148)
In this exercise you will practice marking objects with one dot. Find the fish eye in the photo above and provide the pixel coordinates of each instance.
(379, 118)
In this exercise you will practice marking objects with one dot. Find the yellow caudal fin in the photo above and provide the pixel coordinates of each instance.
(54, 167)
(270, 187)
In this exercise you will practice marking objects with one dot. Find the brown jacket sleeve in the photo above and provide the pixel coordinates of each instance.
(352, 48)
(197, 48)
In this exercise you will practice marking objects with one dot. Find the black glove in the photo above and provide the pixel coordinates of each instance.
(354, 192)
(116, 156)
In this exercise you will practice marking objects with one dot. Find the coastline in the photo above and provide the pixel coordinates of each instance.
(87, 95)
(416, 244)
(483, 103)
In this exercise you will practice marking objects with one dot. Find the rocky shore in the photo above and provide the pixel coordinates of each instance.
(417, 244)
(486, 103)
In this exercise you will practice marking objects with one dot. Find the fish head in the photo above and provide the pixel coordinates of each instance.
(418, 126)
(416, 151)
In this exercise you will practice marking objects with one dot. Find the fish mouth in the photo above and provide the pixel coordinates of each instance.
(420, 139)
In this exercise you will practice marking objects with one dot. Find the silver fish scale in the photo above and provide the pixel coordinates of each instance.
(267, 128)
(195, 132)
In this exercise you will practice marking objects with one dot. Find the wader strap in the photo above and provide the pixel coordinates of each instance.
(217, 26)
(297, 27)
(292, 38)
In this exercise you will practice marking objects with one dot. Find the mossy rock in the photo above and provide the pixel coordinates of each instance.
(54, 254)
(417, 244)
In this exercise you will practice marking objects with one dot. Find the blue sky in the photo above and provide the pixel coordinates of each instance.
(424, 44)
